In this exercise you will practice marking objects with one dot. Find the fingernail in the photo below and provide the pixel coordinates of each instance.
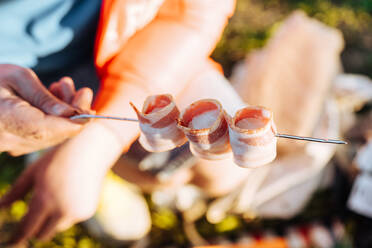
(63, 110)
(67, 80)
(78, 111)
(58, 109)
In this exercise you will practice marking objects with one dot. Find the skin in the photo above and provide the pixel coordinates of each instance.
(31, 117)
(40, 177)
(215, 177)
(170, 49)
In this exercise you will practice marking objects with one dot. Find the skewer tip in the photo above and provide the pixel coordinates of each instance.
(329, 141)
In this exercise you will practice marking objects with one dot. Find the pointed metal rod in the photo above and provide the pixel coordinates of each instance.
(85, 116)
(286, 136)
(330, 141)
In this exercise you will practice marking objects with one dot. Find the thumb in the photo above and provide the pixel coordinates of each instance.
(28, 86)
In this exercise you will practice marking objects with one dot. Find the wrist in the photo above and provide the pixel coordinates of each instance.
(101, 142)
(94, 150)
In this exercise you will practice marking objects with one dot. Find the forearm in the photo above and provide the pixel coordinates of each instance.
(95, 149)
(161, 58)
(101, 142)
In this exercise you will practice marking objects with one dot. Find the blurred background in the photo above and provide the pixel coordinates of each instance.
(325, 219)
(255, 21)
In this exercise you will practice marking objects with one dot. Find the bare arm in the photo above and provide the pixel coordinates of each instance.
(161, 58)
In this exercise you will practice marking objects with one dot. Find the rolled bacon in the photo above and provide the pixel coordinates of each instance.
(252, 136)
(158, 124)
(204, 124)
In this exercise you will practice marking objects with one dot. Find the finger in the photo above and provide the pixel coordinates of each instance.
(22, 185)
(83, 99)
(55, 89)
(31, 223)
(49, 227)
(67, 89)
(64, 89)
(29, 87)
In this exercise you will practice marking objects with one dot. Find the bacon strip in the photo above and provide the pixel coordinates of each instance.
(158, 124)
(252, 136)
(204, 124)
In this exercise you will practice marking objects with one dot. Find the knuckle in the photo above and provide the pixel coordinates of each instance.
(10, 72)
(10, 68)
(14, 74)
(21, 72)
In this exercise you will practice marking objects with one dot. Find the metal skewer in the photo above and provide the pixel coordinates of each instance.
(330, 141)
(85, 116)
(286, 136)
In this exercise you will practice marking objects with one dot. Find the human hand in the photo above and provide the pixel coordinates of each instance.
(62, 195)
(31, 117)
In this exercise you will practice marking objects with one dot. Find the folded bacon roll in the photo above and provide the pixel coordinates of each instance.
(252, 136)
(204, 124)
(158, 124)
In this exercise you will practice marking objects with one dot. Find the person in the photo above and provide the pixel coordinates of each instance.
(31, 117)
(141, 48)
